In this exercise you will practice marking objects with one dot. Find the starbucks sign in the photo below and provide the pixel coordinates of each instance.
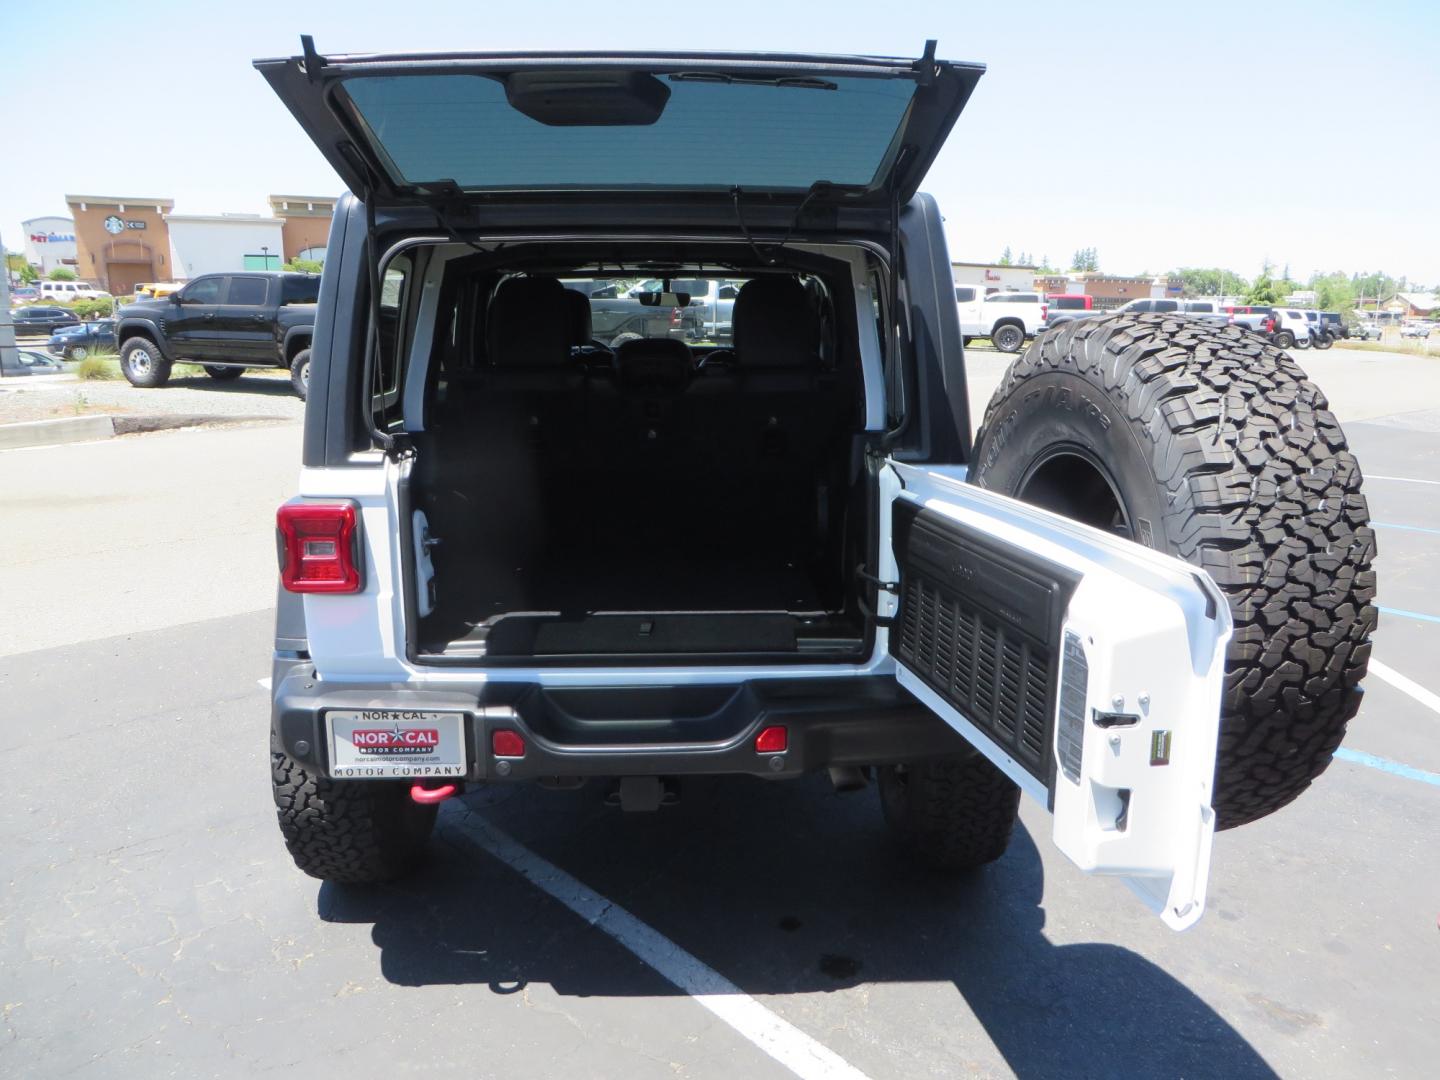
(115, 225)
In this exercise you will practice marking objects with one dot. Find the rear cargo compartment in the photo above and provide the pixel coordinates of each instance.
(668, 497)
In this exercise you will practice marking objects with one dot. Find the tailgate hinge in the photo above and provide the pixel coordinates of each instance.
(891, 587)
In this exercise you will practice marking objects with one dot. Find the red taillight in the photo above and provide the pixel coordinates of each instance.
(317, 547)
(1044, 312)
(773, 740)
(507, 744)
(676, 316)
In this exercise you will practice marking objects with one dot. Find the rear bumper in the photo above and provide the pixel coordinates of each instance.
(638, 731)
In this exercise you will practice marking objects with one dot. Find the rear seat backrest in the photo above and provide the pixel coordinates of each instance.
(533, 392)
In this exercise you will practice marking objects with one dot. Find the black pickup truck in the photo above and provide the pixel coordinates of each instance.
(224, 322)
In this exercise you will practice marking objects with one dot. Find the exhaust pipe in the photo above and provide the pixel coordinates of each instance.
(847, 778)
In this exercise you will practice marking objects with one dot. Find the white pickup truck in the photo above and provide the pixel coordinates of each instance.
(1006, 318)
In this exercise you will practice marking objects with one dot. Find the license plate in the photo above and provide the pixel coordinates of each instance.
(381, 744)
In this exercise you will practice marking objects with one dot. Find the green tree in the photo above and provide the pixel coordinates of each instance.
(1263, 291)
(1333, 292)
(1085, 259)
(1005, 256)
(1209, 281)
(61, 273)
(304, 266)
(29, 275)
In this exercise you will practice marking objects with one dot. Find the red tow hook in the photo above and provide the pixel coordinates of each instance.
(428, 796)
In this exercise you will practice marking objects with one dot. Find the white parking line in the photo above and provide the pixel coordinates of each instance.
(787, 1044)
(1402, 479)
(1428, 698)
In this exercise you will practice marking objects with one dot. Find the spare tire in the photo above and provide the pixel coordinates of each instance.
(1209, 444)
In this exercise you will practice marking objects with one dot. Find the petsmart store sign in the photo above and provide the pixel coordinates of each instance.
(52, 238)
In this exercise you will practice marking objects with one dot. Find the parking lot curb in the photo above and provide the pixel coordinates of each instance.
(72, 429)
(67, 429)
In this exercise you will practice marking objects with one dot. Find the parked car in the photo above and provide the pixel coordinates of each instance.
(1320, 335)
(1292, 321)
(225, 322)
(78, 342)
(42, 320)
(797, 563)
(1006, 318)
(70, 290)
(1209, 310)
(1335, 325)
(27, 362)
(1065, 307)
(23, 294)
(1417, 329)
(1363, 330)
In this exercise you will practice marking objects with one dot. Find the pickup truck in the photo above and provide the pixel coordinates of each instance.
(618, 314)
(1006, 318)
(1066, 307)
(225, 322)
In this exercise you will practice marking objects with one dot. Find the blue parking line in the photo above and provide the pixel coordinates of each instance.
(1407, 614)
(1405, 528)
(1359, 757)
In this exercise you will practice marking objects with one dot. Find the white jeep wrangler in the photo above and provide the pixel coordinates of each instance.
(1143, 596)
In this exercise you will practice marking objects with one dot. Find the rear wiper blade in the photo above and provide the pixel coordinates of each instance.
(795, 81)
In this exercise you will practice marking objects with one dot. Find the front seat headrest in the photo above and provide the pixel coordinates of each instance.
(775, 324)
(654, 364)
(529, 324)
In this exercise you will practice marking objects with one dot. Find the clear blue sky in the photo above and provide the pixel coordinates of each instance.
(1162, 135)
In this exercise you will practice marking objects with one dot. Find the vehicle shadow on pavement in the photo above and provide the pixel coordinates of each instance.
(789, 888)
(268, 385)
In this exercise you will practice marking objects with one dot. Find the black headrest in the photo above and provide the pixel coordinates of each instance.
(654, 364)
(580, 333)
(529, 324)
(775, 324)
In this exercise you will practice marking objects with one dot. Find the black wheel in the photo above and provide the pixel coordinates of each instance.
(222, 373)
(1284, 339)
(950, 813)
(1302, 343)
(75, 352)
(1323, 341)
(142, 363)
(300, 373)
(1210, 445)
(1008, 338)
(352, 832)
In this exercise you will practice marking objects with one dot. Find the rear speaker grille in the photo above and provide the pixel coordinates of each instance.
(999, 679)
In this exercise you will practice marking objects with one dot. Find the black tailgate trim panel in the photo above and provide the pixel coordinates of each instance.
(979, 623)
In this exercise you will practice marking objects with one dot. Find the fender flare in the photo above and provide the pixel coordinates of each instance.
(290, 335)
(149, 329)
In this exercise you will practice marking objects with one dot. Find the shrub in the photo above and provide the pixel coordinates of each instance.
(98, 366)
(93, 309)
(61, 273)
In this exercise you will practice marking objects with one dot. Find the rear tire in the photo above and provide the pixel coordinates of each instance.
(1324, 341)
(142, 363)
(951, 814)
(300, 373)
(351, 832)
(1007, 338)
(1207, 444)
(223, 374)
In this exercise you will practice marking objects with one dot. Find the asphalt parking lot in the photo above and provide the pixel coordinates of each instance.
(153, 926)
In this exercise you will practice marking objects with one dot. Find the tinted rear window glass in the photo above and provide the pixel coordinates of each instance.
(247, 291)
(709, 135)
(300, 291)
